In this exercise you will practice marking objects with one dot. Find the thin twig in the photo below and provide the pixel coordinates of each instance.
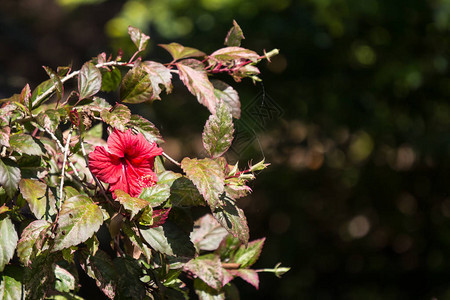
(171, 159)
(73, 74)
(66, 151)
(61, 148)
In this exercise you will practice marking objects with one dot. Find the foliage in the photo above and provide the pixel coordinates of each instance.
(50, 216)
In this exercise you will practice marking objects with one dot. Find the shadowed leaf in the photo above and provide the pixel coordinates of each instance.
(234, 36)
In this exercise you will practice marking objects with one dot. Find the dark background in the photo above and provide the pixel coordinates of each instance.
(353, 115)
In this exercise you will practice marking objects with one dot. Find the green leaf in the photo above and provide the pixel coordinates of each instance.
(131, 204)
(49, 119)
(178, 51)
(148, 130)
(25, 97)
(133, 235)
(234, 53)
(118, 117)
(25, 143)
(89, 80)
(8, 242)
(9, 176)
(195, 78)
(156, 194)
(5, 132)
(34, 192)
(168, 239)
(79, 219)
(39, 90)
(208, 268)
(11, 284)
(233, 219)
(234, 36)
(139, 39)
(65, 281)
(110, 79)
(184, 193)
(129, 285)
(248, 255)
(208, 233)
(168, 177)
(226, 93)
(101, 268)
(207, 176)
(56, 82)
(136, 86)
(218, 132)
(205, 292)
(39, 278)
(159, 76)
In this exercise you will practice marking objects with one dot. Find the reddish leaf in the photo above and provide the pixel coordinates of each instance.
(89, 80)
(159, 76)
(139, 39)
(234, 53)
(208, 268)
(179, 51)
(194, 77)
(234, 36)
(251, 276)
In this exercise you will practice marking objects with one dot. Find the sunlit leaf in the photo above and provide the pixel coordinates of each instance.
(233, 219)
(147, 128)
(160, 76)
(5, 132)
(248, 255)
(208, 233)
(136, 86)
(205, 292)
(229, 96)
(89, 80)
(39, 91)
(28, 243)
(8, 241)
(25, 97)
(208, 268)
(34, 192)
(168, 239)
(65, 281)
(49, 119)
(156, 194)
(25, 143)
(249, 275)
(234, 53)
(9, 176)
(207, 176)
(79, 219)
(178, 51)
(234, 36)
(118, 117)
(11, 284)
(139, 39)
(131, 204)
(218, 132)
(194, 77)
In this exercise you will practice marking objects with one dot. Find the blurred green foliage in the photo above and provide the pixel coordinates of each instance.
(357, 198)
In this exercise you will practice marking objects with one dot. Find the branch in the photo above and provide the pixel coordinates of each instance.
(71, 75)
(171, 159)
(66, 150)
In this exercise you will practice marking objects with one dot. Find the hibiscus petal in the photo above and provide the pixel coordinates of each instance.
(104, 165)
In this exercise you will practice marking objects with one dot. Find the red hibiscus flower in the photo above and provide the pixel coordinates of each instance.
(127, 165)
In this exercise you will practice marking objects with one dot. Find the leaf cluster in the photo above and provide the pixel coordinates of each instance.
(52, 207)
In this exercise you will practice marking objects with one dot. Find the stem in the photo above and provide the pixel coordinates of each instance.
(66, 150)
(231, 265)
(171, 159)
(73, 74)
